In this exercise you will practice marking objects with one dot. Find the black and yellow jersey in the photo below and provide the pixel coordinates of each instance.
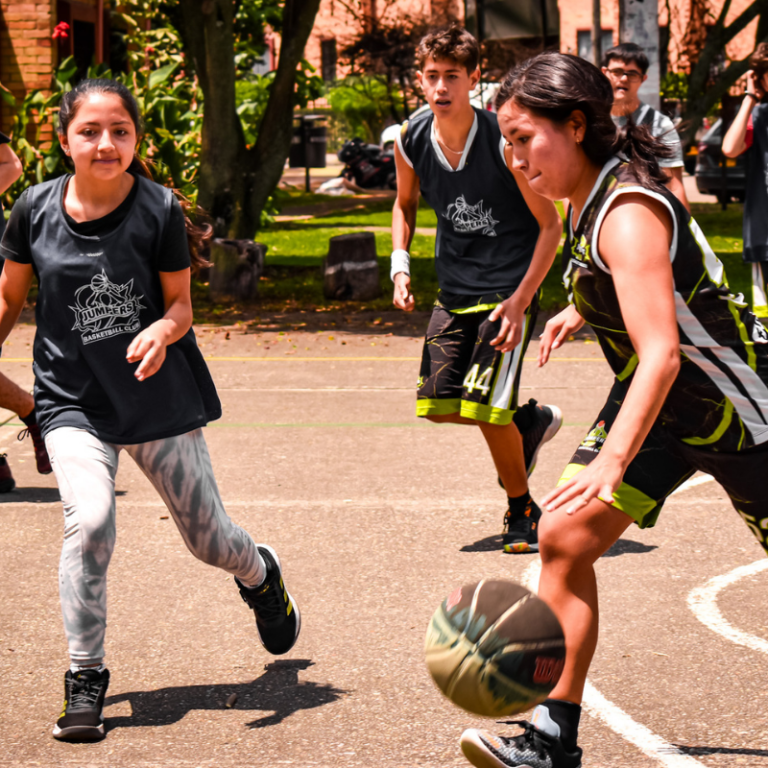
(719, 400)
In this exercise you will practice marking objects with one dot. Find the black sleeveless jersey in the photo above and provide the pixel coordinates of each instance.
(95, 295)
(719, 400)
(485, 232)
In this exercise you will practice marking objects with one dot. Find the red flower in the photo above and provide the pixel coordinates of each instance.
(149, 49)
(61, 30)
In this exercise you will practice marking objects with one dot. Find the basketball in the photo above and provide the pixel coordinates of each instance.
(494, 648)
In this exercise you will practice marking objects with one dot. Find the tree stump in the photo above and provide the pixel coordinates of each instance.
(236, 268)
(351, 270)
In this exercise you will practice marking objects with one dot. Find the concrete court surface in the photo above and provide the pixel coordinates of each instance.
(377, 516)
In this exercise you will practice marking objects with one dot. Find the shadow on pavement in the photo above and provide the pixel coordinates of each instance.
(721, 751)
(628, 547)
(621, 547)
(36, 496)
(31, 496)
(278, 690)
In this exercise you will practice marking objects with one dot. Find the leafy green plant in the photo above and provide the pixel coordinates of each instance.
(364, 101)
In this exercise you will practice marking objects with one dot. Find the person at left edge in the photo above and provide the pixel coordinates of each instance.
(117, 368)
(12, 397)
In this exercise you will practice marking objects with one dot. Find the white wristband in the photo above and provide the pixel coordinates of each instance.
(401, 262)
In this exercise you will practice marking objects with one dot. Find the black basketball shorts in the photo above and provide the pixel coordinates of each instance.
(664, 462)
(461, 372)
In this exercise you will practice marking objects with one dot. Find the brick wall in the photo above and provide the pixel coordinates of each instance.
(27, 53)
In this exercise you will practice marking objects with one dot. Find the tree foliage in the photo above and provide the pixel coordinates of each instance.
(704, 45)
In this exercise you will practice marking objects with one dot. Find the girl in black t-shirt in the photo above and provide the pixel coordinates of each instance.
(117, 367)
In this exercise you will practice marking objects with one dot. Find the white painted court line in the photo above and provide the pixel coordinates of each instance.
(596, 705)
(703, 602)
(692, 483)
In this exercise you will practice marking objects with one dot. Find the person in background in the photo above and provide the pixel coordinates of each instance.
(749, 133)
(626, 66)
(12, 396)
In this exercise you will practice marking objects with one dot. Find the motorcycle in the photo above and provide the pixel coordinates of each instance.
(368, 165)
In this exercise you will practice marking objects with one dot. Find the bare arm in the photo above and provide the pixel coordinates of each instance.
(150, 345)
(733, 141)
(675, 185)
(14, 287)
(10, 167)
(403, 225)
(550, 230)
(645, 290)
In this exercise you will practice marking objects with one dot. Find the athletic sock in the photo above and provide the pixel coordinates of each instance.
(518, 504)
(75, 668)
(567, 715)
(30, 419)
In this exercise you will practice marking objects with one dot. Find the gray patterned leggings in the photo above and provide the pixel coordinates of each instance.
(180, 470)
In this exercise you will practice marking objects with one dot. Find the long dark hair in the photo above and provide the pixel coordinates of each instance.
(198, 234)
(554, 85)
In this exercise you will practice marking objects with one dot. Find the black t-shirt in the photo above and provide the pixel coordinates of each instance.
(96, 293)
(173, 253)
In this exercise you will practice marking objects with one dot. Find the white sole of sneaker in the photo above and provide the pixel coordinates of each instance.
(290, 597)
(79, 733)
(478, 754)
(551, 431)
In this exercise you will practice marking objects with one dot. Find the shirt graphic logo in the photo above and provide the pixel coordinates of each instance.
(580, 250)
(103, 309)
(468, 218)
(759, 334)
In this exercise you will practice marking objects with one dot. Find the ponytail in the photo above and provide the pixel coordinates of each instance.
(199, 232)
(555, 85)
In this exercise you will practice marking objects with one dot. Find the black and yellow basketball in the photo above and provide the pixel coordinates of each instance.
(494, 648)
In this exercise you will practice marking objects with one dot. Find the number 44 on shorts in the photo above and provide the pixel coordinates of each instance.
(482, 382)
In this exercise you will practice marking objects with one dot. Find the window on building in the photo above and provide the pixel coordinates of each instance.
(328, 58)
(584, 41)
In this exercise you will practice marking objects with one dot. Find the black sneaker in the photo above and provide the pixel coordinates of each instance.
(531, 749)
(521, 532)
(538, 424)
(82, 718)
(278, 620)
(7, 483)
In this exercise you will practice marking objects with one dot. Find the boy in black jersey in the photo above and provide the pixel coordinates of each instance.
(496, 240)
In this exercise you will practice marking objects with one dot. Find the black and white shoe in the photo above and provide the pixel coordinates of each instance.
(538, 424)
(82, 718)
(534, 748)
(278, 620)
(521, 531)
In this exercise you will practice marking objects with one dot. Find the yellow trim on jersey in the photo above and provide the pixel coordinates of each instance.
(471, 310)
(432, 406)
(725, 422)
(749, 345)
(641, 508)
(486, 413)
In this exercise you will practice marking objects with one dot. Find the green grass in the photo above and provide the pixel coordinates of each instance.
(293, 279)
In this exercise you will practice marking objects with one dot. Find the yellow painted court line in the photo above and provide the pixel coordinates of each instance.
(336, 359)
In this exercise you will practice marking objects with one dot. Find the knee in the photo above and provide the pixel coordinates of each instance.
(560, 545)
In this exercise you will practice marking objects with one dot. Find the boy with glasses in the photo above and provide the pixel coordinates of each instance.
(625, 66)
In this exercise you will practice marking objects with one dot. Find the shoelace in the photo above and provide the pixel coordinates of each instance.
(521, 525)
(269, 604)
(525, 740)
(85, 692)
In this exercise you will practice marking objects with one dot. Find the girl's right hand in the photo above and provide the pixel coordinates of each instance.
(557, 330)
(403, 298)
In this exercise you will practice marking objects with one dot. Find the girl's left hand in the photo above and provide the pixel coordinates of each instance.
(512, 323)
(597, 480)
(149, 347)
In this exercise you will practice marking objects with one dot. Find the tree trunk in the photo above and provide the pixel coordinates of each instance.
(209, 38)
(267, 158)
(235, 183)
